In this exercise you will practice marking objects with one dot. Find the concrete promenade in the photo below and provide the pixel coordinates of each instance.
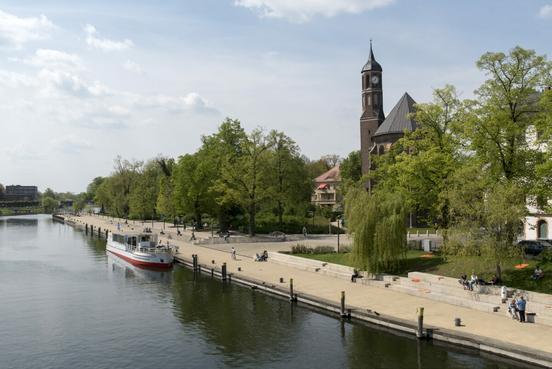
(493, 332)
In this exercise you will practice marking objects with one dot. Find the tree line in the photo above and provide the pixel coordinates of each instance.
(234, 179)
(470, 169)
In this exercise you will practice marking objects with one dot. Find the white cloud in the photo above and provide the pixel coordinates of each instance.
(14, 80)
(70, 144)
(17, 31)
(70, 83)
(104, 44)
(303, 10)
(191, 102)
(546, 11)
(54, 59)
(133, 67)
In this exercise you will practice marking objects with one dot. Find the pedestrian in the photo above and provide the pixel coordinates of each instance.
(193, 238)
(512, 309)
(233, 253)
(305, 232)
(118, 226)
(520, 304)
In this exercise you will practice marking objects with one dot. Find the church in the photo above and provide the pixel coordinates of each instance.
(377, 132)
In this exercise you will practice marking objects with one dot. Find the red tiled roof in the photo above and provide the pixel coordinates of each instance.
(332, 175)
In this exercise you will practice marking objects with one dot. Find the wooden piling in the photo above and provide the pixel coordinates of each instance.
(420, 329)
(224, 271)
(292, 296)
(343, 313)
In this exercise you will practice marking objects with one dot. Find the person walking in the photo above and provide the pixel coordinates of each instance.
(521, 304)
(233, 253)
(305, 232)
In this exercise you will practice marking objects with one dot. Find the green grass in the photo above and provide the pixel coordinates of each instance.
(454, 266)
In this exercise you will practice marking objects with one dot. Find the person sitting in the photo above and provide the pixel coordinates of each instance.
(265, 255)
(355, 276)
(463, 281)
(178, 233)
(495, 280)
(512, 309)
(258, 257)
(538, 273)
(473, 281)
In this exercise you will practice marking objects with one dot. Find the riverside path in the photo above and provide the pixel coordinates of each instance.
(491, 332)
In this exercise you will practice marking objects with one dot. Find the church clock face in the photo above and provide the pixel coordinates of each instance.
(375, 80)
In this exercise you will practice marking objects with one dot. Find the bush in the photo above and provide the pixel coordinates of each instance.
(293, 224)
(323, 250)
(302, 249)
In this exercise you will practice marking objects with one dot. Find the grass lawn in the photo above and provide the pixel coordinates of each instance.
(454, 266)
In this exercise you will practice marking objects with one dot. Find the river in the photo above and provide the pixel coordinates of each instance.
(65, 303)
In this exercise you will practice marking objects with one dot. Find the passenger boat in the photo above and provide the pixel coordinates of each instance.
(140, 249)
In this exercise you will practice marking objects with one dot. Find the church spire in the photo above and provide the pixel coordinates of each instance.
(372, 64)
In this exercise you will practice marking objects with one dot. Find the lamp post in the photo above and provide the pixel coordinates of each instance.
(338, 231)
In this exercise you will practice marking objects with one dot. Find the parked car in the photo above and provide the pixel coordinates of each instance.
(533, 247)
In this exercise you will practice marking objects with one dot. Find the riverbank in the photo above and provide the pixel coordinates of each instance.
(487, 332)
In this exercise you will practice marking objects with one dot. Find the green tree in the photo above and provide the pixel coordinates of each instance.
(93, 187)
(285, 175)
(194, 177)
(49, 203)
(350, 168)
(376, 222)
(143, 195)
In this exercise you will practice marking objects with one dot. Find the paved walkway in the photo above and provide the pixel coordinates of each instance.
(493, 326)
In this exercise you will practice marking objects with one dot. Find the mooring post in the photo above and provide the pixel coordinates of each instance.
(224, 271)
(343, 314)
(99, 232)
(106, 232)
(212, 272)
(194, 262)
(86, 228)
(91, 230)
(420, 330)
(292, 297)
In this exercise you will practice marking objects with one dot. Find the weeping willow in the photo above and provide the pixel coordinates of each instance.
(377, 224)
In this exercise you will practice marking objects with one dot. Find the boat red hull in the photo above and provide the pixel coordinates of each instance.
(142, 263)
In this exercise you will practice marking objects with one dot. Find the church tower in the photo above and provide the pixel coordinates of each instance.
(372, 107)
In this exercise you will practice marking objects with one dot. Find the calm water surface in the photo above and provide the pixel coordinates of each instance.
(65, 303)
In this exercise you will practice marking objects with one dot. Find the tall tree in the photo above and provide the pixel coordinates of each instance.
(285, 175)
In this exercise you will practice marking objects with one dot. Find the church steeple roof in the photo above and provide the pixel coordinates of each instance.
(371, 64)
(399, 119)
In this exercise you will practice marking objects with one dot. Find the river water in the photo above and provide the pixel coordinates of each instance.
(65, 303)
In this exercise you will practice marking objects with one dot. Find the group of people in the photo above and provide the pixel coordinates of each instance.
(516, 308)
(262, 257)
(474, 280)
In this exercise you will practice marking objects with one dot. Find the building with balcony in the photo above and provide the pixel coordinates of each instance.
(326, 187)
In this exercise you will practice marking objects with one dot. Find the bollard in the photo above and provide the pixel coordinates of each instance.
(91, 230)
(106, 233)
(239, 269)
(99, 232)
(86, 228)
(420, 330)
(281, 280)
(224, 271)
(343, 314)
(292, 297)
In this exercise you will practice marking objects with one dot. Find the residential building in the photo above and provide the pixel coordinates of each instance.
(326, 192)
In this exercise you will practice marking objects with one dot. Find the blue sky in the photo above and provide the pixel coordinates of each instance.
(83, 82)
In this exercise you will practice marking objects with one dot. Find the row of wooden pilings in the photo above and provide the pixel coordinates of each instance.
(344, 312)
(98, 230)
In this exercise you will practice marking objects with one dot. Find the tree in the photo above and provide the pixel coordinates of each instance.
(376, 222)
(194, 177)
(49, 203)
(241, 172)
(350, 168)
(285, 175)
(144, 191)
(420, 164)
(93, 187)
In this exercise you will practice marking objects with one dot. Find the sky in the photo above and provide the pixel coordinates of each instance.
(83, 82)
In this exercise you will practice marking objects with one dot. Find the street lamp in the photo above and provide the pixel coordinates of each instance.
(338, 231)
